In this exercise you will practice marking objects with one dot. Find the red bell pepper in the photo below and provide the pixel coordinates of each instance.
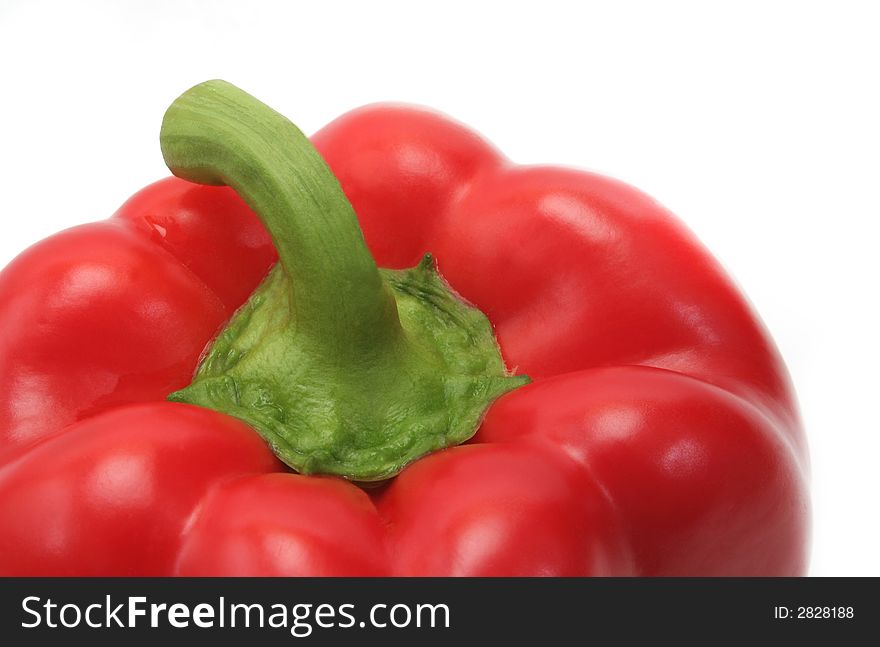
(658, 436)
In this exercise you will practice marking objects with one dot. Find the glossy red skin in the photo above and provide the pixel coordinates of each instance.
(660, 435)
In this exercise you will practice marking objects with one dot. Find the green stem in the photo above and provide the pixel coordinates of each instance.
(343, 368)
(217, 134)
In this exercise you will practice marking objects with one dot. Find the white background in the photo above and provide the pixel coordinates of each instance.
(758, 124)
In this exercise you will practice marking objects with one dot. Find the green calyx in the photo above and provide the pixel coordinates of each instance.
(343, 368)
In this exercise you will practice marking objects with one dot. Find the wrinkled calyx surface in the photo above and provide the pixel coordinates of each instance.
(342, 367)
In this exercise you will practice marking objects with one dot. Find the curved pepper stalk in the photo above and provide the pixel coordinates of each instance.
(343, 368)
